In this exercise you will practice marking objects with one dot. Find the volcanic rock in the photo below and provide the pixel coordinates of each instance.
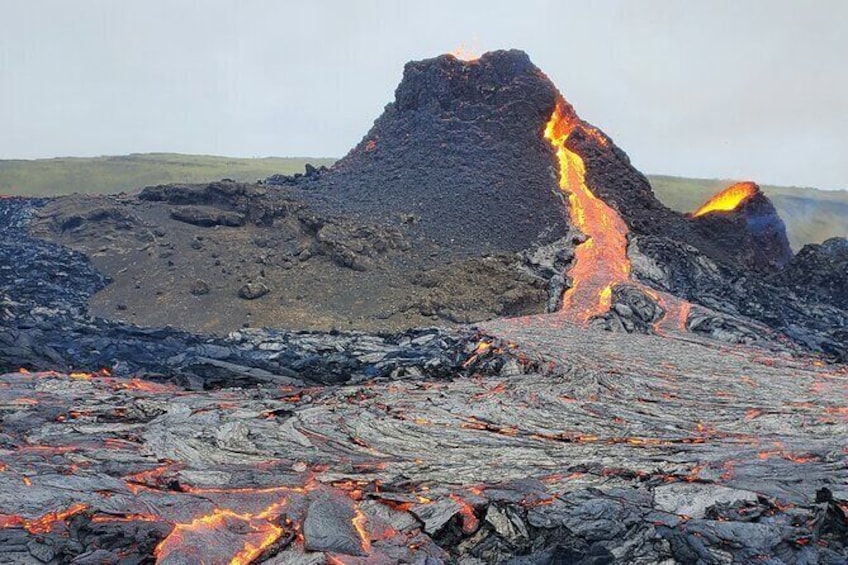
(329, 526)
(199, 288)
(459, 149)
(253, 290)
(207, 218)
(535, 440)
(819, 272)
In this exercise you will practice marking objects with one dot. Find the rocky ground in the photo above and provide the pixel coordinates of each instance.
(594, 447)
(525, 441)
(216, 258)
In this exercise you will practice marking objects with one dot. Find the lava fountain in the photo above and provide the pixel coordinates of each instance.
(601, 262)
(728, 199)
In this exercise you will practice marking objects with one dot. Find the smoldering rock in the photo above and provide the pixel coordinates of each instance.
(329, 526)
(694, 500)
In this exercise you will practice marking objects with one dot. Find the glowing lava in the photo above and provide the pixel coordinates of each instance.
(465, 54)
(220, 533)
(728, 199)
(601, 262)
(42, 524)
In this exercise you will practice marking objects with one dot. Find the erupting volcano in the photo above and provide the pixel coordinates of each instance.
(728, 199)
(706, 425)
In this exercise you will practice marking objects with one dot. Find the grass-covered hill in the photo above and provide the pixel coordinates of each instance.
(96, 175)
(811, 215)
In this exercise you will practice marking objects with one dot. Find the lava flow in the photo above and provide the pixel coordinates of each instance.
(601, 262)
(243, 537)
(728, 199)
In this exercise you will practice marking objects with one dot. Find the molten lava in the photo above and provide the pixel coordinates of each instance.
(465, 54)
(728, 199)
(221, 532)
(601, 262)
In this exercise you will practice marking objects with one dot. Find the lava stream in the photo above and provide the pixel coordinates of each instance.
(601, 262)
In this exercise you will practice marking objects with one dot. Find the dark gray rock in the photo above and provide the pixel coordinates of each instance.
(329, 527)
(207, 217)
(253, 290)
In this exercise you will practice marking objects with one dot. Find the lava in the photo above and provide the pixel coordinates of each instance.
(601, 262)
(465, 54)
(212, 535)
(359, 521)
(728, 199)
(470, 522)
(42, 524)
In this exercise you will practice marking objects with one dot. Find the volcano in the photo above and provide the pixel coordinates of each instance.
(609, 381)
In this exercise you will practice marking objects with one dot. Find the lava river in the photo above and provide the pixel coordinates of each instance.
(601, 261)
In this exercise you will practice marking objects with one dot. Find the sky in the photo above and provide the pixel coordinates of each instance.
(738, 89)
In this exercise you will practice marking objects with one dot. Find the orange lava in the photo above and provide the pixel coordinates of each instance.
(601, 262)
(470, 522)
(42, 524)
(359, 521)
(211, 535)
(728, 199)
(465, 54)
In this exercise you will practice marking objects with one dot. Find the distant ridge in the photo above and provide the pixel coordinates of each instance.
(116, 173)
(811, 215)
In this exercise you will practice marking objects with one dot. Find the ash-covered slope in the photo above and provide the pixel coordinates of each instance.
(460, 154)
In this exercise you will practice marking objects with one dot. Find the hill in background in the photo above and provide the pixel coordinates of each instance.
(111, 174)
(811, 215)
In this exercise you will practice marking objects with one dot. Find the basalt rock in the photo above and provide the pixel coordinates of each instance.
(460, 149)
(207, 218)
(812, 322)
(819, 272)
(253, 290)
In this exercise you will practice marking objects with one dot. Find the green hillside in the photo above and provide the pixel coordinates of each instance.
(811, 215)
(66, 175)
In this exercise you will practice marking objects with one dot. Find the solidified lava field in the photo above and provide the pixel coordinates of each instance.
(478, 338)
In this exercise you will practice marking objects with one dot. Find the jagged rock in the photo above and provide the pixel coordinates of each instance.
(819, 272)
(207, 217)
(436, 516)
(693, 500)
(632, 310)
(199, 288)
(253, 290)
(329, 527)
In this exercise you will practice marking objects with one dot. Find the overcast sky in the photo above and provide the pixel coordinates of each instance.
(717, 89)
